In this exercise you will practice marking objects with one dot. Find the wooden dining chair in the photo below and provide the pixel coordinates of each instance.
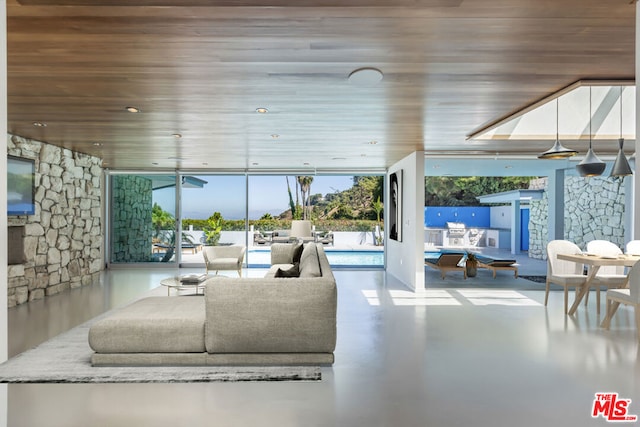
(627, 296)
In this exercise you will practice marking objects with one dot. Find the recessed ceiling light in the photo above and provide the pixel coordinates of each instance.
(97, 144)
(306, 163)
(155, 163)
(367, 76)
(275, 136)
(254, 164)
(40, 124)
(262, 110)
(372, 142)
(177, 135)
(334, 158)
(508, 167)
(436, 166)
(133, 109)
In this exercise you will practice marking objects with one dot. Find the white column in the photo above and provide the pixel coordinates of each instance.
(636, 177)
(516, 226)
(3, 182)
(405, 258)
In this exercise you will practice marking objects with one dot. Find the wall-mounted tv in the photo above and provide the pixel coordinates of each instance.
(20, 186)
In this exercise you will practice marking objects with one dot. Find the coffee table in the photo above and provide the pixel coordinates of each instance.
(175, 283)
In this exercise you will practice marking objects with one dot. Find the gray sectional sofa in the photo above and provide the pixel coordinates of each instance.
(239, 321)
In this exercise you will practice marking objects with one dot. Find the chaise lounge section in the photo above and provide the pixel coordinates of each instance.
(240, 321)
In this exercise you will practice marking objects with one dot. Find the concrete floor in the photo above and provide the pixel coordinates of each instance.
(457, 356)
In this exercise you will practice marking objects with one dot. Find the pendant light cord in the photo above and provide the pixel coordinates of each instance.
(590, 117)
(620, 112)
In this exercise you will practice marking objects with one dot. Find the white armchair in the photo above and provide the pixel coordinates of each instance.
(218, 258)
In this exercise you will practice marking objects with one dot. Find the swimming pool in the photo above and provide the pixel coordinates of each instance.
(337, 258)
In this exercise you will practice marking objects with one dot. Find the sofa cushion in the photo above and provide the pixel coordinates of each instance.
(152, 325)
(309, 264)
(282, 253)
(289, 272)
(257, 315)
(297, 253)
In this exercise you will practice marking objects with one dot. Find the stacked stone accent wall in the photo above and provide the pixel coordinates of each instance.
(132, 225)
(594, 210)
(63, 240)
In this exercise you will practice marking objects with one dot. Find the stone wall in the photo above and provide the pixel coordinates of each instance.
(63, 240)
(132, 228)
(594, 210)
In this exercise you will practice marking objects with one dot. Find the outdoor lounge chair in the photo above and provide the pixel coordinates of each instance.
(447, 262)
(497, 264)
(301, 230)
(325, 238)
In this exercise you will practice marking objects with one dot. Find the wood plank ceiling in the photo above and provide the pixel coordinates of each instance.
(200, 68)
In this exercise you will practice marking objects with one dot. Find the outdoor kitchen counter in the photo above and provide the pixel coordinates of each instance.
(472, 236)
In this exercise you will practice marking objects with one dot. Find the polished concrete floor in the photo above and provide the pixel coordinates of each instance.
(444, 357)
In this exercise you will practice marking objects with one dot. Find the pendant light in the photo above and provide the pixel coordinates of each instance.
(591, 165)
(558, 151)
(621, 165)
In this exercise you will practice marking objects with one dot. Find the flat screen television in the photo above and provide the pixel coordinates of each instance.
(20, 186)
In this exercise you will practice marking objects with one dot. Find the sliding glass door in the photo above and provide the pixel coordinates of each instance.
(213, 213)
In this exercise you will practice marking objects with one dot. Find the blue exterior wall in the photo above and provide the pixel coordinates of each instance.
(471, 216)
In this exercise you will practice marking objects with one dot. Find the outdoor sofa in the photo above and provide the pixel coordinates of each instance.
(273, 320)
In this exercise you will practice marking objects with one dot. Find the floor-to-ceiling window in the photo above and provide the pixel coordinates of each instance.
(143, 218)
(213, 213)
(342, 212)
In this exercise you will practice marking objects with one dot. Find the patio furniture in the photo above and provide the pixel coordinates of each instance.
(218, 258)
(627, 296)
(325, 238)
(564, 273)
(494, 265)
(260, 239)
(611, 276)
(447, 262)
(302, 230)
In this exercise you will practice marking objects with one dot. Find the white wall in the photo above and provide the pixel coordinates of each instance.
(636, 175)
(3, 182)
(405, 259)
(500, 217)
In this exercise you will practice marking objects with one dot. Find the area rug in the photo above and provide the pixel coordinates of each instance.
(66, 359)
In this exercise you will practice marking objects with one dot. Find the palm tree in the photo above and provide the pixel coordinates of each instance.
(305, 187)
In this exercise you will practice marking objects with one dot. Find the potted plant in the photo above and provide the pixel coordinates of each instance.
(471, 264)
(213, 229)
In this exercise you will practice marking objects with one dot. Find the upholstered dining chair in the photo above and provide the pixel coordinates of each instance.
(633, 247)
(627, 296)
(609, 276)
(564, 273)
(218, 258)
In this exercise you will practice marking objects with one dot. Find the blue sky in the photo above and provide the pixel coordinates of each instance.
(226, 194)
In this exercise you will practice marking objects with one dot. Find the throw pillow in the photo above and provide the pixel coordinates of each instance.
(297, 253)
(290, 272)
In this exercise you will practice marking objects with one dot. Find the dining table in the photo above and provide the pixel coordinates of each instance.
(594, 262)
